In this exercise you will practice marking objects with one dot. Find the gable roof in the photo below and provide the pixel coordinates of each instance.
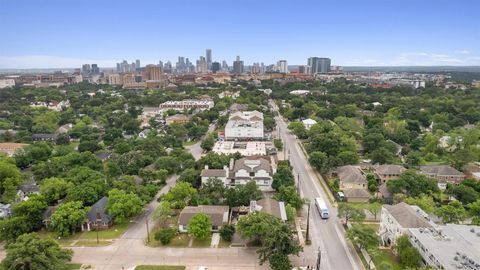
(408, 216)
(99, 208)
(351, 174)
(273, 207)
(389, 169)
(213, 173)
(29, 188)
(252, 165)
(440, 170)
(218, 214)
(356, 193)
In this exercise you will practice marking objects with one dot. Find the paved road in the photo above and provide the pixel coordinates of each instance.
(195, 149)
(327, 235)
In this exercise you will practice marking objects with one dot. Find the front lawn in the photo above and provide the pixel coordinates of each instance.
(92, 243)
(386, 255)
(73, 266)
(224, 244)
(201, 243)
(114, 232)
(159, 267)
(180, 240)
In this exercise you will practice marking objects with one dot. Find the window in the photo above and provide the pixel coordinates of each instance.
(252, 174)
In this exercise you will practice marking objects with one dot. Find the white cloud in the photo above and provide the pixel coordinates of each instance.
(47, 61)
(462, 52)
(426, 59)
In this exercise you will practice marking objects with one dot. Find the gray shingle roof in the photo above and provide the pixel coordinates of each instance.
(351, 174)
(356, 193)
(99, 207)
(440, 170)
(213, 173)
(252, 165)
(389, 169)
(407, 216)
(215, 212)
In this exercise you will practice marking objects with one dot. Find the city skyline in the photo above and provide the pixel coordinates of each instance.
(370, 33)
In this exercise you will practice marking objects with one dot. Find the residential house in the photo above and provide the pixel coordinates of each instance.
(356, 195)
(103, 156)
(308, 123)
(219, 215)
(43, 137)
(64, 128)
(181, 105)
(443, 174)
(97, 218)
(388, 172)
(26, 190)
(144, 133)
(270, 206)
(177, 119)
(242, 171)
(395, 220)
(221, 174)
(9, 149)
(5, 210)
(449, 247)
(258, 170)
(47, 214)
(351, 177)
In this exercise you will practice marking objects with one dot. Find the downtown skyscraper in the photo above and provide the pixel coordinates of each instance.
(318, 65)
(208, 56)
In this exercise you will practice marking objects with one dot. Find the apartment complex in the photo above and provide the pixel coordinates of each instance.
(247, 125)
(188, 104)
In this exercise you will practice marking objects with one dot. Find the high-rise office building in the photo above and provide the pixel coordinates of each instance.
(160, 64)
(255, 68)
(180, 66)
(202, 65)
(224, 65)
(238, 67)
(208, 55)
(318, 65)
(137, 64)
(282, 66)
(95, 69)
(86, 69)
(216, 67)
(152, 72)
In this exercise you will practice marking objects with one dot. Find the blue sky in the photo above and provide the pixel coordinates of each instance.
(59, 33)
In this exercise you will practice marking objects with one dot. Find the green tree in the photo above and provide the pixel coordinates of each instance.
(413, 184)
(374, 208)
(372, 183)
(453, 212)
(256, 225)
(279, 261)
(191, 176)
(408, 255)
(474, 212)
(31, 252)
(348, 157)
(243, 194)
(278, 144)
(363, 236)
(13, 227)
(382, 155)
(208, 143)
(289, 195)
(278, 240)
(180, 195)
(283, 177)
(350, 212)
(54, 189)
(162, 213)
(423, 201)
(122, 205)
(320, 161)
(200, 226)
(212, 192)
(32, 210)
(165, 235)
(68, 217)
(10, 180)
(227, 231)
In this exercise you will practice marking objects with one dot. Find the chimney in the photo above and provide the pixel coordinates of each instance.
(232, 161)
(206, 167)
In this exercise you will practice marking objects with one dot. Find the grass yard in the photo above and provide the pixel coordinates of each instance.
(201, 243)
(224, 244)
(92, 243)
(159, 267)
(115, 231)
(73, 266)
(63, 241)
(386, 255)
(180, 240)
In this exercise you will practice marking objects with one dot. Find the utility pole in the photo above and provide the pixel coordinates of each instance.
(298, 185)
(148, 232)
(319, 259)
(307, 235)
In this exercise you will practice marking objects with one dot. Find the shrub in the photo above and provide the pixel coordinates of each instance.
(165, 235)
(227, 231)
